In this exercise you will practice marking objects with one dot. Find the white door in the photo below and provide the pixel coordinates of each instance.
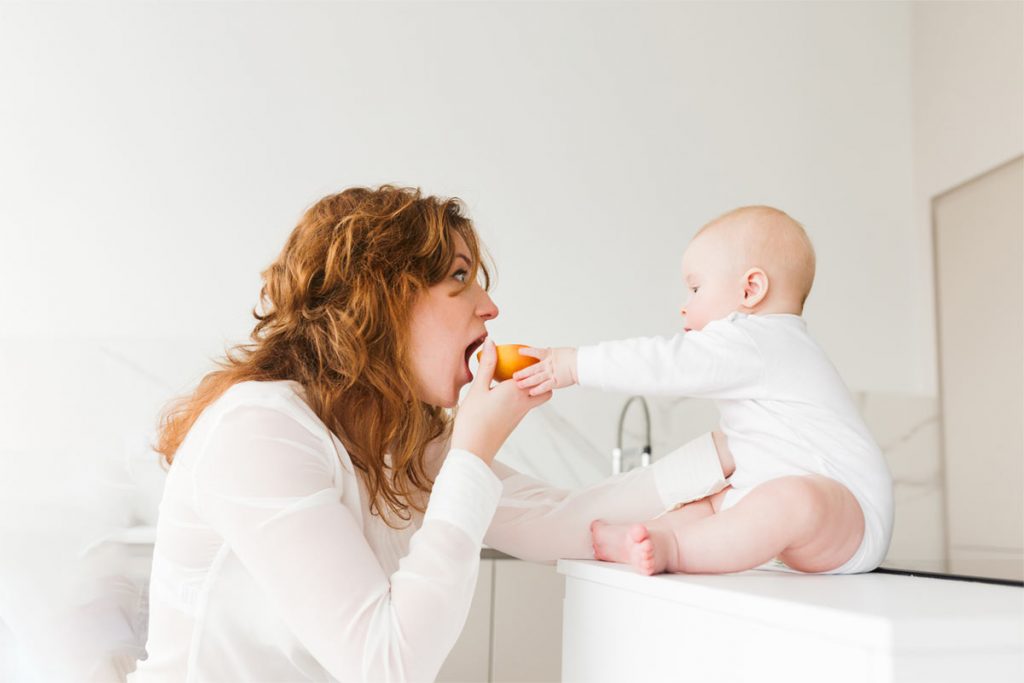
(979, 258)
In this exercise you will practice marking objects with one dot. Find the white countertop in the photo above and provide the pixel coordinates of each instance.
(876, 610)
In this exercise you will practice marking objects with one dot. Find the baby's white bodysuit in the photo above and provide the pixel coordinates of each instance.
(784, 408)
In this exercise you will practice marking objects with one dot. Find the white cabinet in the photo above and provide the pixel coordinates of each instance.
(768, 626)
(514, 628)
(527, 613)
(470, 659)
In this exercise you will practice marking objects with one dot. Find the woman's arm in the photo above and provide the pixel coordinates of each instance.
(538, 522)
(265, 484)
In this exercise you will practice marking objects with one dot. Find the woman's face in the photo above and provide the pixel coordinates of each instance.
(446, 327)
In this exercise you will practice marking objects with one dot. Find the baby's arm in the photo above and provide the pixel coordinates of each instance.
(719, 362)
(556, 370)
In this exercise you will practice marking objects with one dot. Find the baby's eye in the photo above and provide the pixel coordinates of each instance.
(461, 275)
(694, 289)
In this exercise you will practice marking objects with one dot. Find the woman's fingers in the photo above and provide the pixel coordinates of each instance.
(521, 393)
(485, 370)
(527, 400)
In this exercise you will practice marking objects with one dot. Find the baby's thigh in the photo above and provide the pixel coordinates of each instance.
(691, 512)
(828, 523)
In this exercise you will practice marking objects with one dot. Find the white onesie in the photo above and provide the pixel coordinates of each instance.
(784, 408)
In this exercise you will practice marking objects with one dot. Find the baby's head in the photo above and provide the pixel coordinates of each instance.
(754, 259)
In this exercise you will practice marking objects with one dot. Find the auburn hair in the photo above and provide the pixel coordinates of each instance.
(334, 316)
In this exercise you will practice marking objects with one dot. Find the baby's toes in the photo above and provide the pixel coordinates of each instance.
(647, 550)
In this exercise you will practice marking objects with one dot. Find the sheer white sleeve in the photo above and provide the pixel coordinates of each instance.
(721, 361)
(265, 483)
(541, 523)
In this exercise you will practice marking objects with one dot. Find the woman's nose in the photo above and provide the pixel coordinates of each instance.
(487, 309)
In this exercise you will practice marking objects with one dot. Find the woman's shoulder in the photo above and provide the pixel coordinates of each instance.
(255, 391)
(283, 399)
(263, 410)
(267, 431)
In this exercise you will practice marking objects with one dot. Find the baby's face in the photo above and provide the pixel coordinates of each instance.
(714, 287)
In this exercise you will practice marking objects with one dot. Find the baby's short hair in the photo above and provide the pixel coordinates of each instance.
(772, 240)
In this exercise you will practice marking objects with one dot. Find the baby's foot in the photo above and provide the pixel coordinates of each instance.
(650, 551)
(611, 541)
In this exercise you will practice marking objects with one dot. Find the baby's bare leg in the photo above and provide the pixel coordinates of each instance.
(616, 542)
(811, 523)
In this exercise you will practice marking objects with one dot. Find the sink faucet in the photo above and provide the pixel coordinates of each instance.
(645, 452)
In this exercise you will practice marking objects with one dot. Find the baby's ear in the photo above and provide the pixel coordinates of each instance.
(755, 287)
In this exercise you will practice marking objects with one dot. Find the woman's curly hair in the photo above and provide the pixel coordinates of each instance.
(334, 317)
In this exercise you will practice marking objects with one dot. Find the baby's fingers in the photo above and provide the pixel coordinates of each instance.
(544, 388)
(538, 399)
(529, 371)
(532, 380)
(534, 353)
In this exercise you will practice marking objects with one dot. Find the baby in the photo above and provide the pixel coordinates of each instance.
(810, 491)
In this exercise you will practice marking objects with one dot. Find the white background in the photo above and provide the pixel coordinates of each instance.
(156, 157)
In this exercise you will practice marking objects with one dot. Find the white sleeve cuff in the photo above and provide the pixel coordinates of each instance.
(691, 472)
(465, 494)
(588, 367)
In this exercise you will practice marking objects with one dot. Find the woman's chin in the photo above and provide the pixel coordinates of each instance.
(442, 399)
(452, 399)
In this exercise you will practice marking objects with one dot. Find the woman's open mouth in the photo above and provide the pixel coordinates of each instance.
(470, 350)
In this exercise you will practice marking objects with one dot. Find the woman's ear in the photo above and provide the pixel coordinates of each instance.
(755, 287)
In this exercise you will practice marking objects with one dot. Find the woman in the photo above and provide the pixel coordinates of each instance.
(323, 515)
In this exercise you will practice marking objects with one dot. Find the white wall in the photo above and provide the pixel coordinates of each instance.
(968, 112)
(157, 156)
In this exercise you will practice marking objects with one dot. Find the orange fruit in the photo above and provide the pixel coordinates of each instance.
(509, 360)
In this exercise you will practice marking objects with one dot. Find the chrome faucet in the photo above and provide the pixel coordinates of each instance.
(645, 452)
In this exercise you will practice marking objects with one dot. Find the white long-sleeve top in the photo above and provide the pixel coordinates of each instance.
(268, 565)
(784, 408)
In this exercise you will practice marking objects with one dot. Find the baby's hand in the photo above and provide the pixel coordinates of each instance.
(556, 370)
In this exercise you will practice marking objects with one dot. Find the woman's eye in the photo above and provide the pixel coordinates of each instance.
(460, 275)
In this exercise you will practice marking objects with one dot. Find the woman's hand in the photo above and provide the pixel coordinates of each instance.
(556, 370)
(488, 414)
